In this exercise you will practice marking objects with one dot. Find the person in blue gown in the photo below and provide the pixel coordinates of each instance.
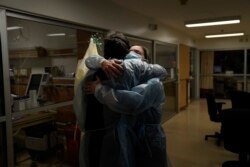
(127, 129)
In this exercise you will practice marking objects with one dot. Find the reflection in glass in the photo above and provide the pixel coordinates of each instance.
(169, 108)
(248, 61)
(221, 72)
(43, 60)
(231, 61)
(223, 85)
(248, 84)
(166, 56)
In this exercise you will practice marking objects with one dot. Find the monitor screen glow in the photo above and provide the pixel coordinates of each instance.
(217, 69)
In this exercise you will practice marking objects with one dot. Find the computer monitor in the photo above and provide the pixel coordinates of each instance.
(35, 83)
(217, 69)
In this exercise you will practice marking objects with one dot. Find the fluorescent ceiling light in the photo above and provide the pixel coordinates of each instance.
(224, 35)
(56, 34)
(14, 28)
(213, 22)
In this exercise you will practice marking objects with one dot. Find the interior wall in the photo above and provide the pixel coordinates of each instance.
(107, 15)
(104, 14)
(223, 43)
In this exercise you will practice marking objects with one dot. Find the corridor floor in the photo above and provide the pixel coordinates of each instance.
(185, 138)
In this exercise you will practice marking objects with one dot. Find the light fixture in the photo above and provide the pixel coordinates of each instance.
(213, 22)
(14, 28)
(56, 34)
(224, 35)
(152, 27)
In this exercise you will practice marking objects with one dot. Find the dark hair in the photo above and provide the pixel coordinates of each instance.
(145, 50)
(116, 45)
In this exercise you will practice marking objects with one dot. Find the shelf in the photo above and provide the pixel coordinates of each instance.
(41, 52)
(62, 52)
(41, 108)
(15, 54)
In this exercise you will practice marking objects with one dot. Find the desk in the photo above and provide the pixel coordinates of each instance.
(32, 119)
(28, 120)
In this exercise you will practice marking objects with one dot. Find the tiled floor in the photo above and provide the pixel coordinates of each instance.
(185, 138)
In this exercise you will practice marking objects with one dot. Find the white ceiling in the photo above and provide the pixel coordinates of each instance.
(173, 14)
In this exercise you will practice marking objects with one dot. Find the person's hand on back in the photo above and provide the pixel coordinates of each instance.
(112, 68)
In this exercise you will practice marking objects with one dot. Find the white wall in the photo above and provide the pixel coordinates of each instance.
(102, 14)
(223, 43)
(107, 15)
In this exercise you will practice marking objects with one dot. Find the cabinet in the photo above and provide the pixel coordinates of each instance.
(28, 53)
(59, 90)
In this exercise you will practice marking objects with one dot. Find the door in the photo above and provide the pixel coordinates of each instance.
(184, 75)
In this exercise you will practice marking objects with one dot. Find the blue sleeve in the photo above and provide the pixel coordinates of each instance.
(146, 71)
(94, 62)
(137, 100)
(142, 70)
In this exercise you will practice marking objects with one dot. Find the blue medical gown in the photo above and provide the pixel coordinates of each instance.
(121, 137)
(88, 113)
(141, 139)
(136, 71)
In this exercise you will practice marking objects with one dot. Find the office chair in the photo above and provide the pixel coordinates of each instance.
(236, 128)
(214, 109)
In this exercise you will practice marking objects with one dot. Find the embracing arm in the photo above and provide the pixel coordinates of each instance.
(148, 71)
(94, 62)
(138, 99)
(112, 67)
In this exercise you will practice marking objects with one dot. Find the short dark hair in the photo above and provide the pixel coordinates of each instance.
(145, 50)
(116, 45)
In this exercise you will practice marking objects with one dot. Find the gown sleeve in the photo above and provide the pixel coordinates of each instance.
(134, 101)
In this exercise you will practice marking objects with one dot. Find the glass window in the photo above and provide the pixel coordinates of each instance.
(43, 58)
(223, 85)
(1, 85)
(247, 84)
(3, 151)
(221, 72)
(231, 61)
(166, 55)
(248, 61)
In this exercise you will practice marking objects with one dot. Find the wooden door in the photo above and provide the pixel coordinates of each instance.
(184, 71)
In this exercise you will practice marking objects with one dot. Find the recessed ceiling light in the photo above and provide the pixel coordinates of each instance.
(56, 34)
(224, 35)
(14, 28)
(213, 22)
